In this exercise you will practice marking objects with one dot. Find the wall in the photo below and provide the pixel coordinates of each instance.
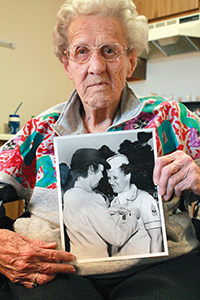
(30, 73)
(177, 75)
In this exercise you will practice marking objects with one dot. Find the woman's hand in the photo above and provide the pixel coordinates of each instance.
(22, 258)
(176, 172)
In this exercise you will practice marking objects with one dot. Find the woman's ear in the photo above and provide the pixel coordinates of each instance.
(132, 61)
(91, 170)
(128, 176)
(65, 63)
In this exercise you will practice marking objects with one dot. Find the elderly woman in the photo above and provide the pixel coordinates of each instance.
(98, 42)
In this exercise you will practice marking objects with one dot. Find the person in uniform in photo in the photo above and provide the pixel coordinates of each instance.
(148, 238)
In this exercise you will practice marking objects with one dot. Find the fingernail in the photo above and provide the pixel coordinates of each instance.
(71, 257)
(155, 181)
(165, 198)
(72, 269)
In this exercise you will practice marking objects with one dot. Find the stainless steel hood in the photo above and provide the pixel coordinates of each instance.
(176, 36)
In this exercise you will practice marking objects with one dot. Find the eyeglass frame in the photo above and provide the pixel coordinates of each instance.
(93, 48)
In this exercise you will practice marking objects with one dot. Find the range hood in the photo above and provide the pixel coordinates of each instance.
(176, 36)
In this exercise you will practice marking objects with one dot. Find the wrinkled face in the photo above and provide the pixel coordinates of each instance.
(118, 180)
(99, 83)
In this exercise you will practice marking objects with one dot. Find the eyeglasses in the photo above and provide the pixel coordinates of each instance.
(82, 53)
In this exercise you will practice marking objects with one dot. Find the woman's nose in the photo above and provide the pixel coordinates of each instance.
(97, 63)
(110, 180)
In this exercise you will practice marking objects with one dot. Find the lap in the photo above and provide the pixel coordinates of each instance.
(177, 279)
(63, 287)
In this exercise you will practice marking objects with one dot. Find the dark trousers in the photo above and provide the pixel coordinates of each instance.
(177, 279)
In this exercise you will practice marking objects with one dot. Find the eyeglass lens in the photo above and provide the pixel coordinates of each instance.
(83, 53)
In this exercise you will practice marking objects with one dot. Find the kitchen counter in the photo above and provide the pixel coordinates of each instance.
(5, 136)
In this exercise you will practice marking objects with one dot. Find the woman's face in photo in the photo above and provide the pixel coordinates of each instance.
(118, 180)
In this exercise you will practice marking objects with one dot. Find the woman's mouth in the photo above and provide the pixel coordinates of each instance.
(98, 84)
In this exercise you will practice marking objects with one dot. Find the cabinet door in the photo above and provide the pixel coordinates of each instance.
(154, 9)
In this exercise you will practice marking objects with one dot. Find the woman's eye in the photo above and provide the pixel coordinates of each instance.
(109, 50)
(82, 50)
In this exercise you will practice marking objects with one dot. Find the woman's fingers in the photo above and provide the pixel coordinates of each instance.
(175, 173)
(21, 258)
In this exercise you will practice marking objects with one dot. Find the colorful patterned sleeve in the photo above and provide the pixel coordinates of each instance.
(177, 128)
(18, 156)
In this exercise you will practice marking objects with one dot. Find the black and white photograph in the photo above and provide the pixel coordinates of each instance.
(109, 206)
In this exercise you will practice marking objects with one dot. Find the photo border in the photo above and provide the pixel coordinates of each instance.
(65, 146)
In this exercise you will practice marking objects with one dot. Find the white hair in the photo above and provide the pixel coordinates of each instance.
(135, 26)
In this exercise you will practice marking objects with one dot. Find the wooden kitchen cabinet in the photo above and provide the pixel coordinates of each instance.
(155, 9)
